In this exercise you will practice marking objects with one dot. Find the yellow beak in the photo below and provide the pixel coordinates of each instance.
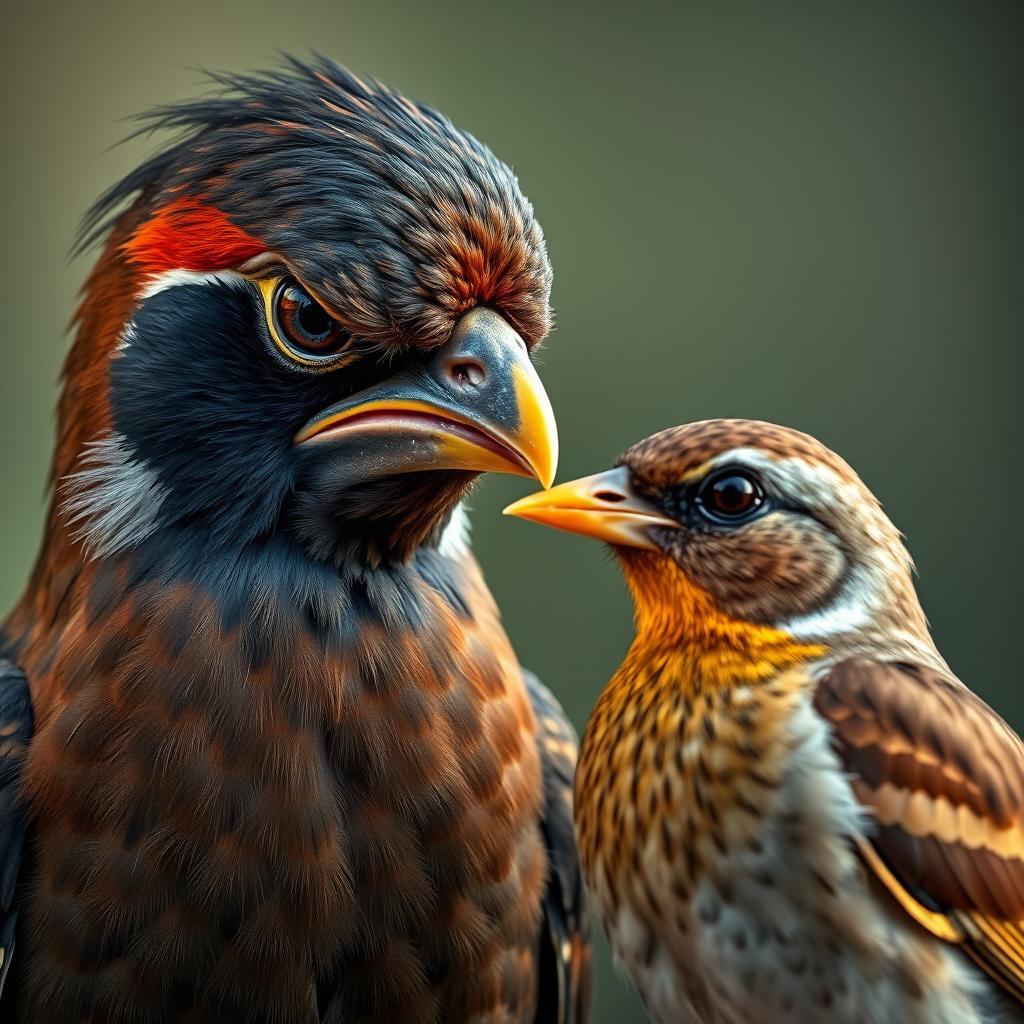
(477, 404)
(604, 506)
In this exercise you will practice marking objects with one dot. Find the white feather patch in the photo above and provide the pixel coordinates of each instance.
(113, 502)
(454, 542)
(124, 342)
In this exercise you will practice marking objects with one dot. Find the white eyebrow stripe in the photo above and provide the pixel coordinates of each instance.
(813, 484)
(157, 283)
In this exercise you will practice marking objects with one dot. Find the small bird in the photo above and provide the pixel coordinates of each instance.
(266, 753)
(787, 806)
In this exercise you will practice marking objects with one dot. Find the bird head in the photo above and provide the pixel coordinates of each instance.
(313, 316)
(725, 524)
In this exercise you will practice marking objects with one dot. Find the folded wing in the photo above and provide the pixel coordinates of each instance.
(943, 777)
(15, 732)
(565, 933)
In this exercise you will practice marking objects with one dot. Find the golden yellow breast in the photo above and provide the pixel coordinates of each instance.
(684, 749)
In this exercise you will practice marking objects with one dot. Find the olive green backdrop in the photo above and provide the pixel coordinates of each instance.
(806, 213)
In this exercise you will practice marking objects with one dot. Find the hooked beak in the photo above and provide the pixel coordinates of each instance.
(603, 506)
(477, 404)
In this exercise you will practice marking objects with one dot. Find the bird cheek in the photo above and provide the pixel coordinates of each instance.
(767, 572)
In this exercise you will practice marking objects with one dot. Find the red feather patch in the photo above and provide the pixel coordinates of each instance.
(185, 236)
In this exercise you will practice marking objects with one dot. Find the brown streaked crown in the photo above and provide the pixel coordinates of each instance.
(667, 458)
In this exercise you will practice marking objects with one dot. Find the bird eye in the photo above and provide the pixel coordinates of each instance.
(303, 325)
(730, 496)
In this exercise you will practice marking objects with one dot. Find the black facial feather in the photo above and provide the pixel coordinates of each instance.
(200, 394)
(215, 410)
(395, 514)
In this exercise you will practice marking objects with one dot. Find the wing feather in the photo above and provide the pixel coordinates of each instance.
(15, 732)
(565, 954)
(943, 777)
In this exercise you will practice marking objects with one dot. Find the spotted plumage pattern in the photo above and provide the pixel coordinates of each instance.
(282, 812)
(285, 764)
(787, 807)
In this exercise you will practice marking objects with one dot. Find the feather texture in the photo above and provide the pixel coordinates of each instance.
(15, 733)
(943, 777)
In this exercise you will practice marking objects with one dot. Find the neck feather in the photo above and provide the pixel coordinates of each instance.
(687, 641)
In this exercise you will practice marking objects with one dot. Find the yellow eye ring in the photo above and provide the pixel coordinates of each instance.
(300, 327)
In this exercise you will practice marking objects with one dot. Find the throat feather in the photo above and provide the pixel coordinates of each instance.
(684, 641)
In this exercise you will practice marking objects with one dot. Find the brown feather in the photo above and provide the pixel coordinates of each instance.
(943, 775)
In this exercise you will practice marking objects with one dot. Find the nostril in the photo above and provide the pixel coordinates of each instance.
(467, 373)
(610, 496)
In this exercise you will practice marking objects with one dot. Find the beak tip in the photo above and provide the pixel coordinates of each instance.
(521, 507)
(542, 458)
(511, 510)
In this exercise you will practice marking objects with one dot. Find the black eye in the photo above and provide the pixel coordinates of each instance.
(730, 496)
(303, 324)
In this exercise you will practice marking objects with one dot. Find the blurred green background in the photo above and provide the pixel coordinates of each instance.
(809, 213)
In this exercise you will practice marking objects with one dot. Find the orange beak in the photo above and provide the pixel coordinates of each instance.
(603, 506)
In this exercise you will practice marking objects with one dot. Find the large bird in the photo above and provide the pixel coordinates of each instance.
(266, 753)
(788, 808)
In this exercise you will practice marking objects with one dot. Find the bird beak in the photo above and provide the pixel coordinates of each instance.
(603, 506)
(476, 404)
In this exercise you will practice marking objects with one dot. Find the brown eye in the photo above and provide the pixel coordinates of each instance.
(303, 324)
(730, 496)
